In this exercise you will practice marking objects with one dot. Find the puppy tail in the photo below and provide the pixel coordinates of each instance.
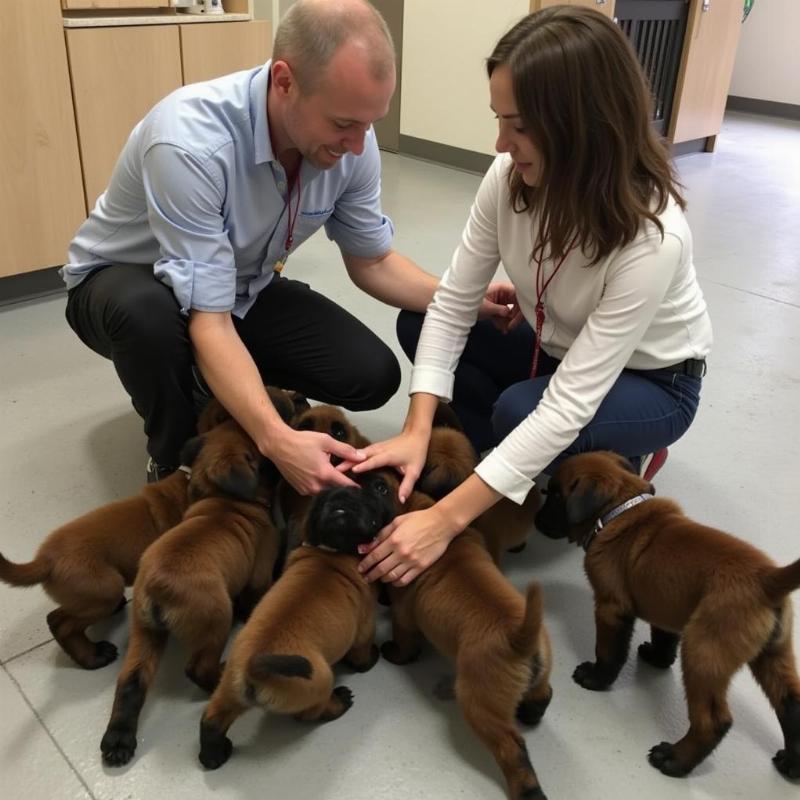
(265, 665)
(525, 639)
(782, 580)
(28, 574)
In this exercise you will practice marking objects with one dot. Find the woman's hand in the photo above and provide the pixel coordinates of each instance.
(500, 307)
(406, 452)
(407, 546)
(304, 459)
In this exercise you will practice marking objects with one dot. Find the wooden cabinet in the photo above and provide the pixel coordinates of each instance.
(41, 199)
(604, 6)
(118, 75)
(210, 50)
(709, 52)
(93, 5)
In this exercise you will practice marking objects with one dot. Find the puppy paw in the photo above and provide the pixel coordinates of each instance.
(662, 757)
(788, 764)
(591, 677)
(213, 756)
(345, 696)
(118, 747)
(656, 657)
(207, 681)
(530, 712)
(445, 688)
(392, 652)
(104, 654)
(364, 666)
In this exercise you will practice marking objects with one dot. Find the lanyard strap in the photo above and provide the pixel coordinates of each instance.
(292, 218)
(541, 288)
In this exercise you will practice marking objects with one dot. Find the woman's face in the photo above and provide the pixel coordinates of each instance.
(512, 137)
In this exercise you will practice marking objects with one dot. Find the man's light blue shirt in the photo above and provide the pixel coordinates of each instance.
(199, 193)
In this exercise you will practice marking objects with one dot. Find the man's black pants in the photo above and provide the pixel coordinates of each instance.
(298, 339)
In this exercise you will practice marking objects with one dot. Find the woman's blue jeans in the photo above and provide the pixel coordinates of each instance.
(644, 411)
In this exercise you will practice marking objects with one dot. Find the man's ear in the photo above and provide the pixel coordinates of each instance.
(191, 449)
(282, 77)
(585, 501)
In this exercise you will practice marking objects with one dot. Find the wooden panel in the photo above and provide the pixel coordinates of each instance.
(75, 5)
(709, 53)
(118, 75)
(218, 49)
(41, 202)
(387, 130)
(604, 6)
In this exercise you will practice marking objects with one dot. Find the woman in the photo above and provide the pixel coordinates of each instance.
(583, 209)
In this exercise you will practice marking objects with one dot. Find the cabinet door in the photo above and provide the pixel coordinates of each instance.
(118, 75)
(216, 49)
(97, 5)
(41, 202)
(709, 52)
(604, 6)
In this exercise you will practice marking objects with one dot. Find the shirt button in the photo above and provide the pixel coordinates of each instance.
(281, 186)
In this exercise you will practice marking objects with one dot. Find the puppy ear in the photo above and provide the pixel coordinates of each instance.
(283, 403)
(446, 417)
(299, 402)
(239, 483)
(585, 501)
(191, 449)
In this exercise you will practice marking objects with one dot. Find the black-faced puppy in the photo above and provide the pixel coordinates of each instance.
(726, 599)
(86, 564)
(226, 544)
(450, 460)
(469, 611)
(319, 611)
(290, 506)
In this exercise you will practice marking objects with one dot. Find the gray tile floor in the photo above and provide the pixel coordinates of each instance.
(70, 441)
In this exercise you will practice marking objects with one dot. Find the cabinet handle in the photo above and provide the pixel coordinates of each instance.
(706, 5)
(600, 2)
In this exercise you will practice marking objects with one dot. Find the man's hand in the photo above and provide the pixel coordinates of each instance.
(500, 307)
(304, 459)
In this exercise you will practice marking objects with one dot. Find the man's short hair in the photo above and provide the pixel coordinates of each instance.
(311, 32)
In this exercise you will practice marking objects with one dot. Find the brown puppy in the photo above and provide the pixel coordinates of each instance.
(290, 507)
(451, 459)
(465, 607)
(86, 564)
(226, 544)
(320, 611)
(727, 600)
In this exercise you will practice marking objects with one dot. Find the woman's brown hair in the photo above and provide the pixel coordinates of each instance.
(586, 104)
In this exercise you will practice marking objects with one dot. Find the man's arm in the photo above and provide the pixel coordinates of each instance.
(303, 457)
(398, 281)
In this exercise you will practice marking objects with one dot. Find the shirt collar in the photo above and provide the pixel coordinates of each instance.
(258, 113)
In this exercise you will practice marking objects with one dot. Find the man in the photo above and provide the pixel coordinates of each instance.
(179, 262)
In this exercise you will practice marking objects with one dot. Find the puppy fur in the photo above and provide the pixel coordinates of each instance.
(450, 460)
(727, 601)
(85, 565)
(225, 545)
(321, 610)
(288, 404)
(464, 606)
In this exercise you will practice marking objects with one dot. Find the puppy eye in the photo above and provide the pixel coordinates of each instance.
(381, 488)
(338, 431)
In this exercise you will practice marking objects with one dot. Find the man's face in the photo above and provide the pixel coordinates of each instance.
(334, 117)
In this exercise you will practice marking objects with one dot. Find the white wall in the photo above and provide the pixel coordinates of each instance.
(445, 92)
(768, 59)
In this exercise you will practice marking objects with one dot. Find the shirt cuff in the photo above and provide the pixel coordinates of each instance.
(432, 381)
(195, 284)
(504, 478)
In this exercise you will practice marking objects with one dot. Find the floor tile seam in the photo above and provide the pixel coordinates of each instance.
(11, 658)
(48, 732)
(750, 291)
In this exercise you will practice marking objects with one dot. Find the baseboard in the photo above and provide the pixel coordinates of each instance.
(768, 108)
(468, 160)
(30, 285)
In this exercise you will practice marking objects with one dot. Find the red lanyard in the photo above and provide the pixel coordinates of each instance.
(541, 288)
(292, 218)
